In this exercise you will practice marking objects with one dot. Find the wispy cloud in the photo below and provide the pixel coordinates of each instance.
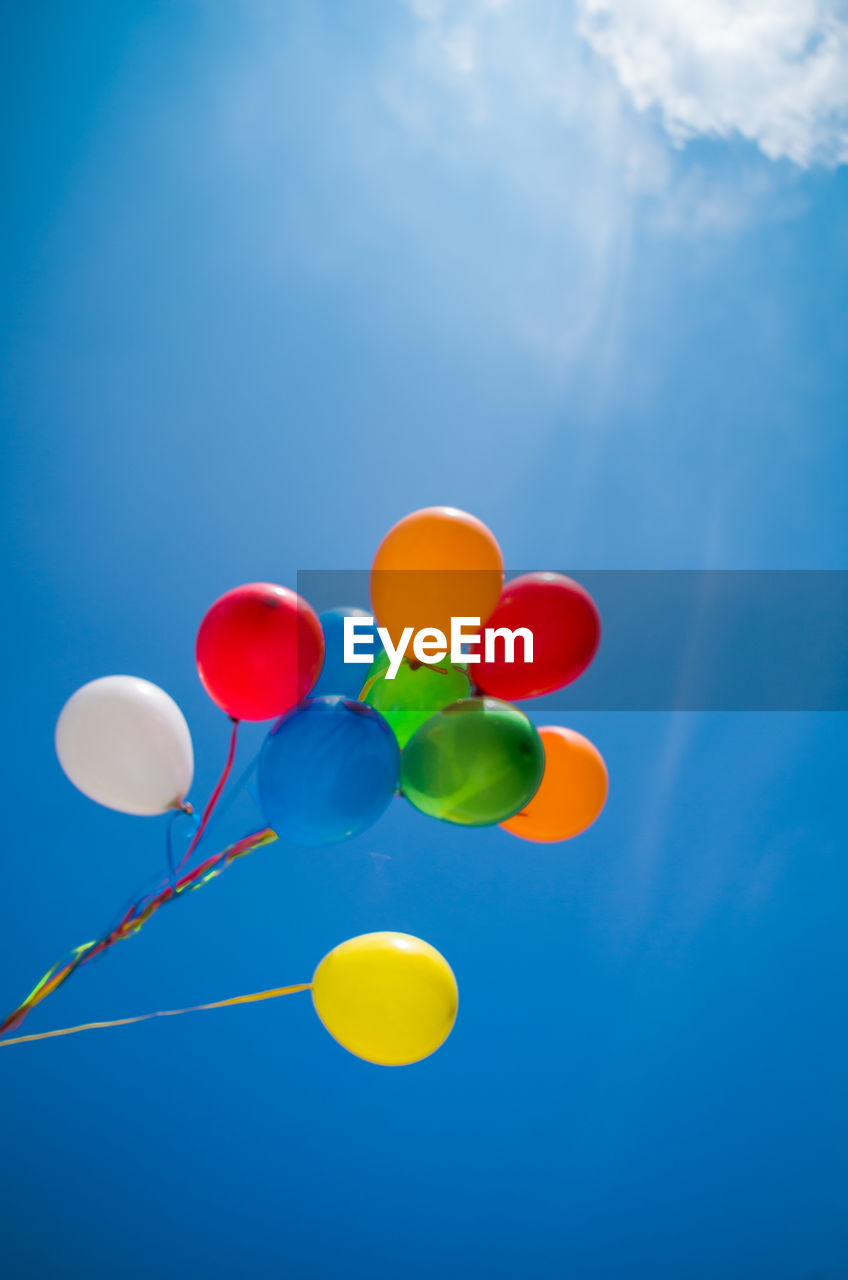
(508, 100)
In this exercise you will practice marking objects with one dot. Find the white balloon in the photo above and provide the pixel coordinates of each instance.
(125, 743)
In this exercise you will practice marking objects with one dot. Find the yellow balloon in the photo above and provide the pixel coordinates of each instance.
(387, 997)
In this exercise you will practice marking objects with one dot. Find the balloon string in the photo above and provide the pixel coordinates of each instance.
(244, 782)
(161, 1013)
(142, 907)
(213, 799)
(368, 686)
(169, 843)
(138, 914)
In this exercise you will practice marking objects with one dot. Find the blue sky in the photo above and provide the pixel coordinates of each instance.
(273, 277)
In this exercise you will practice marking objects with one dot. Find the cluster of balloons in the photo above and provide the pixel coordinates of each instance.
(345, 740)
(443, 734)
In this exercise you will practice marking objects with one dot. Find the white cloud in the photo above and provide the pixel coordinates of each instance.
(773, 71)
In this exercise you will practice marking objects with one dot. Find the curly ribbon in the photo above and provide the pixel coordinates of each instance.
(144, 906)
(162, 1013)
(133, 919)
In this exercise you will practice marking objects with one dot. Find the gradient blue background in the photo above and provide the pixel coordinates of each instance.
(268, 285)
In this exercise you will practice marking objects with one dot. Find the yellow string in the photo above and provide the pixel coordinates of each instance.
(162, 1013)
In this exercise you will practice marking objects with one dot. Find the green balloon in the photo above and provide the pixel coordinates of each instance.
(475, 763)
(417, 691)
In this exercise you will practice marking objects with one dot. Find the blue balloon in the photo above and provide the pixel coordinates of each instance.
(338, 676)
(327, 770)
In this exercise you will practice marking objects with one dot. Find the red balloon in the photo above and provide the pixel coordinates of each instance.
(566, 629)
(259, 651)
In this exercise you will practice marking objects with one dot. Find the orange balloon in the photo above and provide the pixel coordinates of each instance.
(572, 792)
(435, 564)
